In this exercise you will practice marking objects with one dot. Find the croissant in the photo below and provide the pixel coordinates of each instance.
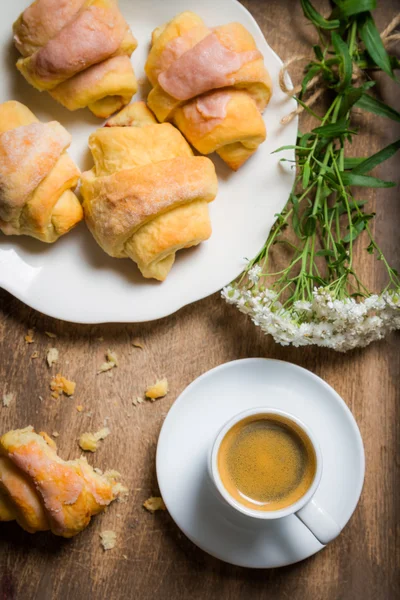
(212, 84)
(42, 492)
(79, 51)
(147, 195)
(36, 176)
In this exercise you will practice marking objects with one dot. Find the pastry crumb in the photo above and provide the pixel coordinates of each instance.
(48, 440)
(50, 334)
(52, 356)
(98, 471)
(136, 401)
(35, 354)
(40, 398)
(154, 503)
(60, 385)
(158, 390)
(120, 492)
(112, 361)
(79, 408)
(137, 343)
(29, 337)
(100, 339)
(55, 434)
(8, 398)
(90, 441)
(108, 539)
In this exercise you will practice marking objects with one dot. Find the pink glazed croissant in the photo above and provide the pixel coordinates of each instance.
(42, 492)
(212, 84)
(79, 51)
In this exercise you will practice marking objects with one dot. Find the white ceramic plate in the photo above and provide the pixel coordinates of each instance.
(74, 279)
(194, 421)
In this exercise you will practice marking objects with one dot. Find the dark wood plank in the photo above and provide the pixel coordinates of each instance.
(160, 562)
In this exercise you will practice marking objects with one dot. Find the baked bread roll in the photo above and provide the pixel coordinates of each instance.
(212, 83)
(36, 176)
(79, 51)
(43, 492)
(147, 195)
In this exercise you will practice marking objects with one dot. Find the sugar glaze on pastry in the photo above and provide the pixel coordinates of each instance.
(37, 176)
(42, 492)
(212, 84)
(78, 50)
(147, 195)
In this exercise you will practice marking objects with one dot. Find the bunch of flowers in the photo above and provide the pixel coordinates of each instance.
(319, 298)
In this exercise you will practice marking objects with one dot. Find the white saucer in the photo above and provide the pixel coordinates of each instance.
(190, 428)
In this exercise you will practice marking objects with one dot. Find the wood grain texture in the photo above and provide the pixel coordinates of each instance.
(153, 560)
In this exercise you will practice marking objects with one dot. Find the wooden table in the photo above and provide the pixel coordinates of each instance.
(152, 559)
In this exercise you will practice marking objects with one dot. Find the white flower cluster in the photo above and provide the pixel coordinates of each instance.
(327, 322)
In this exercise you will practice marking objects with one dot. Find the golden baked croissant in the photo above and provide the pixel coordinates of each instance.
(212, 83)
(78, 50)
(36, 176)
(43, 492)
(147, 195)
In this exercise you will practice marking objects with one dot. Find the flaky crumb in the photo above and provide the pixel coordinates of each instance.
(137, 342)
(120, 492)
(50, 334)
(90, 441)
(112, 361)
(108, 539)
(154, 503)
(8, 398)
(98, 471)
(137, 401)
(100, 339)
(35, 354)
(52, 356)
(79, 408)
(55, 434)
(158, 390)
(48, 440)
(60, 385)
(29, 336)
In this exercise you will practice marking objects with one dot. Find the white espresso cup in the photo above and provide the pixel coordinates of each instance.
(306, 508)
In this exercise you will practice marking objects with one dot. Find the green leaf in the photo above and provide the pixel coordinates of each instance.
(351, 97)
(373, 43)
(377, 107)
(306, 175)
(348, 8)
(310, 226)
(312, 71)
(290, 147)
(354, 232)
(364, 181)
(352, 162)
(333, 129)
(342, 209)
(318, 52)
(342, 50)
(376, 159)
(315, 17)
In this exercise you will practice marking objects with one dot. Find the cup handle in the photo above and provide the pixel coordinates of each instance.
(319, 522)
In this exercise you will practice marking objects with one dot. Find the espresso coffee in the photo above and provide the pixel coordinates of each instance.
(266, 462)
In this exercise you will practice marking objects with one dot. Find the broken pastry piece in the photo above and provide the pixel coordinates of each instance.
(147, 195)
(79, 51)
(37, 177)
(212, 84)
(43, 492)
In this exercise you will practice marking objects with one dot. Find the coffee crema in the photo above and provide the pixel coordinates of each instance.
(266, 462)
